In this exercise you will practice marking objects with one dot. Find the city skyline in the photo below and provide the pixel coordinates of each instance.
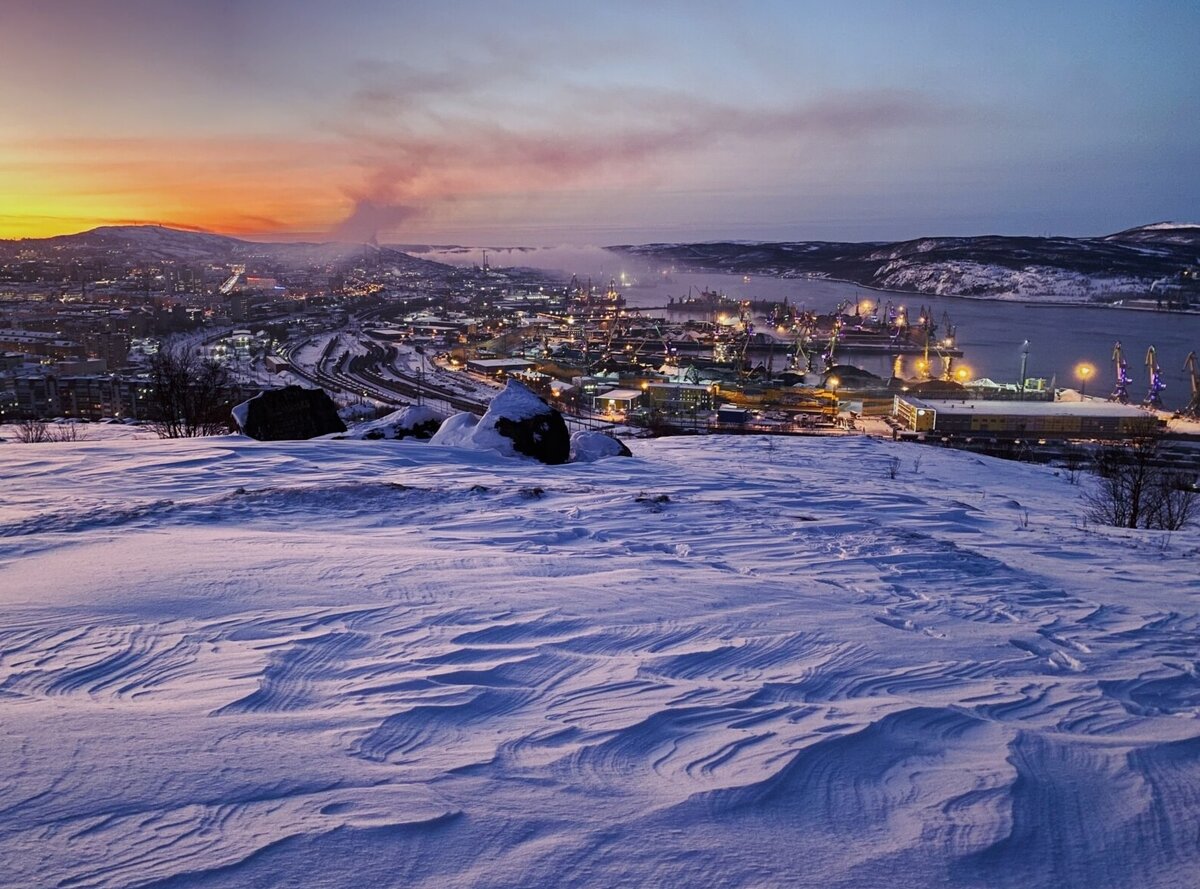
(531, 123)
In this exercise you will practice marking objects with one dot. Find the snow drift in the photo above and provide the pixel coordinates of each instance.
(413, 421)
(339, 664)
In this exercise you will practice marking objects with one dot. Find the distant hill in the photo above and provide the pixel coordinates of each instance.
(1186, 234)
(1065, 269)
(162, 244)
(152, 241)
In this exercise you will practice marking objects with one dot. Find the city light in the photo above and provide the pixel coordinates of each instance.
(1084, 371)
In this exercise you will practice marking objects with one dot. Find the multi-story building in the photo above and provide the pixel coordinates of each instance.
(41, 344)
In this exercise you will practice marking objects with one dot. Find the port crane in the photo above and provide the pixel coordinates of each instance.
(946, 359)
(830, 349)
(1120, 391)
(926, 322)
(668, 352)
(1154, 373)
(1190, 365)
(801, 360)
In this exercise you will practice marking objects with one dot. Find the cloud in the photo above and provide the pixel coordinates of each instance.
(501, 135)
(420, 155)
(369, 218)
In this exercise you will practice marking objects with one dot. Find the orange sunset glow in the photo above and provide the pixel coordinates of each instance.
(365, 119)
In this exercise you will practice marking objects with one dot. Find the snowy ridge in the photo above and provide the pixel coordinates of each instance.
(1170, 226)
(980, 279)
(348, 663)
(160, 242)
(1058, 269)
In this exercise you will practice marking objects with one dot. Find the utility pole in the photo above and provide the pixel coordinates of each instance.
(420, 373)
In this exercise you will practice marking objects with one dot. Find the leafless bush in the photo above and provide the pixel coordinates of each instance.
(1175, 502)
(1074, 461)
(39, 432)
(68, 432)
(189, 395)
(893, 467)
(1135, 489)
(33, 431)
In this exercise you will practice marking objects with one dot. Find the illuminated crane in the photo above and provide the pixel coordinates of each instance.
(801, 360)
(830, 349)
(1121, 367)
(1154, 372)
(1193, 408)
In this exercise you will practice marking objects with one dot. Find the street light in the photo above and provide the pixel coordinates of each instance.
(962, 374)
(832, 384)
(1083, 371)
(1024, 365)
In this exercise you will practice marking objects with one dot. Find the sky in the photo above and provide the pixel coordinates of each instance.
(548, 123)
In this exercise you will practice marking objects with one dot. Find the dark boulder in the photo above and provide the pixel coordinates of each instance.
(535, 428)
(516, 422)
(543, 437)
(288, 414)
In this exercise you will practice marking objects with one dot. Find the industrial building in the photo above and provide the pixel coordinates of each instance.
(618, 401)
(1022, 419)
(497, 367)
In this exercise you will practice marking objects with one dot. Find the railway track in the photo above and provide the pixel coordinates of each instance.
(363, 375)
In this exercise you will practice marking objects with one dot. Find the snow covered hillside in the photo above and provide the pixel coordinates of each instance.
(725, 661)
(1051, 269)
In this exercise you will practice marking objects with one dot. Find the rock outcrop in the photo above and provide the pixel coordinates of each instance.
(517, 422)
(288, 414)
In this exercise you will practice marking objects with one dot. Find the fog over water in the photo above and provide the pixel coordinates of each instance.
(990, 332)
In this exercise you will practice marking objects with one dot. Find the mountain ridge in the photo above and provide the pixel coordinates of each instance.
(1126, 263)
(165, 243)
(1134, 262)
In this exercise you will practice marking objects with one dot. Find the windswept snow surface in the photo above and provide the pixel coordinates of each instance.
(343, 663)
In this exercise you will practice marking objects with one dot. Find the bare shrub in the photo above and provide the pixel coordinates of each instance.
(1135, 489)
(40, 432)
(1074, 461)
(189, 395)
(1175, 501)
(33, 431)
(68, 432)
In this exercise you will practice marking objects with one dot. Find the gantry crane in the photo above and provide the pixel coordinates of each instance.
(1190, 365)
(831, 348)
(1154, 374)
(1120, 391)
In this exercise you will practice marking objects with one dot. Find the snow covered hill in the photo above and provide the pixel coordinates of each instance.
(1058, 269)
(725, 661)
(160, 243)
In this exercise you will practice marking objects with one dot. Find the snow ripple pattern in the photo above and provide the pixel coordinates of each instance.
(394, 664)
